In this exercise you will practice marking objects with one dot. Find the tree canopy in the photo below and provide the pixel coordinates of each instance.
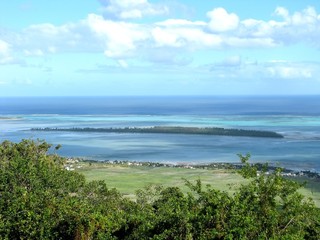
(40, 199)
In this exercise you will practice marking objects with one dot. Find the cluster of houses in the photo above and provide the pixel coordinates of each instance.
(72, 163)
(76, 163)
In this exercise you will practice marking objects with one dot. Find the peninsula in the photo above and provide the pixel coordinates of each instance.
(173, 130)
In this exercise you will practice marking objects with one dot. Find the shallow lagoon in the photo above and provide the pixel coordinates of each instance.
(298, 150)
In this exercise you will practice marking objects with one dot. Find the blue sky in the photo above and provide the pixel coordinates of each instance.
(163, 47)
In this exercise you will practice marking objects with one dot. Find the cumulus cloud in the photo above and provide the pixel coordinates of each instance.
(290, 70)
(120, 39)
(173, 45)
(242, 68)
(123, 63)
(5, 56)
(35, 52)
(184, 34)
(163, 37)
(181, 22)
(302, 26)
(306, 17)
(282, 12)
(193, 38)
(47, 38)
(131, 9)
(222, 21)
(249, 42)
(4, 47)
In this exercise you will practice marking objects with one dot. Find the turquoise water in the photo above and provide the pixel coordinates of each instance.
(300, 125)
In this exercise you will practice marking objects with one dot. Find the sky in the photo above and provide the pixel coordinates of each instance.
(159, 47)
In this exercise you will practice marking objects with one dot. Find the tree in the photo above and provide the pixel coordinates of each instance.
(40, 199)
(267, 207)
(270, 207)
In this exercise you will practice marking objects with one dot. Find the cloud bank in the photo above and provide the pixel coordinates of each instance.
(125, 39)
(139, 36)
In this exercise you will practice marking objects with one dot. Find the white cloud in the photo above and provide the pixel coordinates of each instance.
(35, 52)
(52, 49)
(183, 33)
(306, 17)
(123, 39)
(235, 67)
(49, 38)
(164, 37)
(172, 45)
(222, 21)
(4, 47)
(4, 52)
(252, 28)
(130, 9)
(123, 63)
(120, 38)
(303, 26)
(180, 22)
(283, 12)
(253, 42)
(287, 70)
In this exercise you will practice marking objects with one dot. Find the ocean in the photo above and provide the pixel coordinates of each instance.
(295, 117)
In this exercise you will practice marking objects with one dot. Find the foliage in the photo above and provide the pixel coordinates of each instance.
(269, 207)
(40, 199)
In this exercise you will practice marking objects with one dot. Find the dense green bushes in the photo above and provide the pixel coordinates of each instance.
(39, 199)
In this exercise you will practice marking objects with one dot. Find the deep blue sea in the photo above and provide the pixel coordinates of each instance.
(296, 117)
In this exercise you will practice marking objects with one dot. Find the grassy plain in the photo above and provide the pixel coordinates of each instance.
(127, 179)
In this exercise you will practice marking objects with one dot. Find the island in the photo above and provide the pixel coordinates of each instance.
(172, 130)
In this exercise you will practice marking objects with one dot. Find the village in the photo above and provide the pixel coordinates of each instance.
(72, 164)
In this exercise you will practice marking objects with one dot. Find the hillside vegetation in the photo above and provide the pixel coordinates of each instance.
(40, 199)
(128, 177)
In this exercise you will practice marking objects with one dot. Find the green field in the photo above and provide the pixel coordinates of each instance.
(127, 179)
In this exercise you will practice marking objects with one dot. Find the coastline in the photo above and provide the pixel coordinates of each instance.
(215, 131)
(296, 118)
(9, 118)
(74, 163)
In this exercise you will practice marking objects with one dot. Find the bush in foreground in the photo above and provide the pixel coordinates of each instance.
(39, 199)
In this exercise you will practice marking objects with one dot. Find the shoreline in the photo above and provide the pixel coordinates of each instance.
(71, 164)
(215, 131)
